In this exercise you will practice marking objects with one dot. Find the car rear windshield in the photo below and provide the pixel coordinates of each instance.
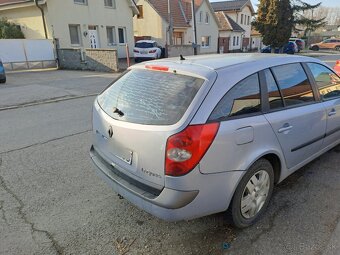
(144, 45)
(150, 97)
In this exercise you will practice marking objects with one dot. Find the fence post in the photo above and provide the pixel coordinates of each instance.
(127, 55)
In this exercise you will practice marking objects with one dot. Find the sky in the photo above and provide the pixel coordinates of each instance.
(328, 3)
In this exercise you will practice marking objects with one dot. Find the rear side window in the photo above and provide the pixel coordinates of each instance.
(244, 98)
(294, 84)
(150, 97)
(328, 82)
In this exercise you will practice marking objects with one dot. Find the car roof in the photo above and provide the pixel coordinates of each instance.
(146, 41)
(220, 61)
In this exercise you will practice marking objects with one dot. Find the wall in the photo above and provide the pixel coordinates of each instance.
(246, 12)
(101, 60)
(185, 50)
(152, 24)
(29, 19)
(61, 13)
(204, 29)
(18, 54)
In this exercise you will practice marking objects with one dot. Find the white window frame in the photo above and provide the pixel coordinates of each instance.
(203, 45)
(207, 18)
(107, 5)
(200, 17)
(81, 2)
(79, 34)
(124, 33)
(114, 38)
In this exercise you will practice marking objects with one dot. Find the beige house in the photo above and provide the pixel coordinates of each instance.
(75, 23)
(237, 16)
(153, 23)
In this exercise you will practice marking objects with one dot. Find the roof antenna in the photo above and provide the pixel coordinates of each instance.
(181, 57)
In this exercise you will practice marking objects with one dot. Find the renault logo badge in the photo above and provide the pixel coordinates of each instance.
(110, 132)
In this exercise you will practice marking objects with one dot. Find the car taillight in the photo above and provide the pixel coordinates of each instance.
(152, 51)
(136, 51)
(185, 149)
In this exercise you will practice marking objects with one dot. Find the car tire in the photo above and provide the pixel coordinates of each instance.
(254, 192)
(315, 48)
(3, 80)
(337, 48)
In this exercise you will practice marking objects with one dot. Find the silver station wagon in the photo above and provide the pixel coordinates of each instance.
(182, 139)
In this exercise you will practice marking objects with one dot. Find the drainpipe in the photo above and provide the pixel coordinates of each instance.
(42, 16)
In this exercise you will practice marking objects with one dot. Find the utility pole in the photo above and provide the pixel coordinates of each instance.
(170, 23)
(194, 26)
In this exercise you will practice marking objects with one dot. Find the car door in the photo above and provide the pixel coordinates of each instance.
(328, 84)
(297, 119)
(325, 44)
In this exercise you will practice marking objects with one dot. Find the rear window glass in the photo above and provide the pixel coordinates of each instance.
(150, 97)
(144, 45)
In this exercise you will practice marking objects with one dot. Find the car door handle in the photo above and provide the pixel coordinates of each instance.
(285, 127)
(332, 112)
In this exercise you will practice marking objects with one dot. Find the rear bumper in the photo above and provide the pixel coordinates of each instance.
(201, 194)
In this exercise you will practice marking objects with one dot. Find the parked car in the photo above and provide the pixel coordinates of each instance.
(288, 48)
(299, 42)
(330, 44)
(2, 73)
(147, 50)
(186, 138)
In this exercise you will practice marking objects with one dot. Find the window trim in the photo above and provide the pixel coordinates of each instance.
(125, 36)
(113, 6)
(85, 2)
(113, 29)
(79, 35)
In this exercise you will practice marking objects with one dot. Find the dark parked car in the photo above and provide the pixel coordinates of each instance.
(2, 73)
(289, 48)
(299, 42)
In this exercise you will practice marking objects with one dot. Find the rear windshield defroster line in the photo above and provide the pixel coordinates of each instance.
(150, 97)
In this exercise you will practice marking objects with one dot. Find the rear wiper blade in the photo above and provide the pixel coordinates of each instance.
(119, 112)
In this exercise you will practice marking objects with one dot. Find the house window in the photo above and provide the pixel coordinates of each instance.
(122, 35)
(241, 18)
(200, 18)
(110, 3)
(75, 34)
(80, 2)
(207, 18)
(237, 40)
(111, 36)
(205, 41)
(140, 10)
(248, 20)
(234, 38)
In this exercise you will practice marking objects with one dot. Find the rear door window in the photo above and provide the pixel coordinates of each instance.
(294, 84)
(243, 99)
(328, 82)
(150, 97)
(144, 45)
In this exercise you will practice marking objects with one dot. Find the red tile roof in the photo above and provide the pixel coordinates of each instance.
(180, 10)
(7, 2)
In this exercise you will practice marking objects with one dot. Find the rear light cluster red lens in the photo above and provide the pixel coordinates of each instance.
(152, 51)
(185, 149)
(157, 68)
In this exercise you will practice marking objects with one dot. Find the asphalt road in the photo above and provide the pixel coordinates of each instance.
(52, 202)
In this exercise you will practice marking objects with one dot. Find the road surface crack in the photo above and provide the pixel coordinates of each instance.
(24, 217)
(3, 215)
(41, 143)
